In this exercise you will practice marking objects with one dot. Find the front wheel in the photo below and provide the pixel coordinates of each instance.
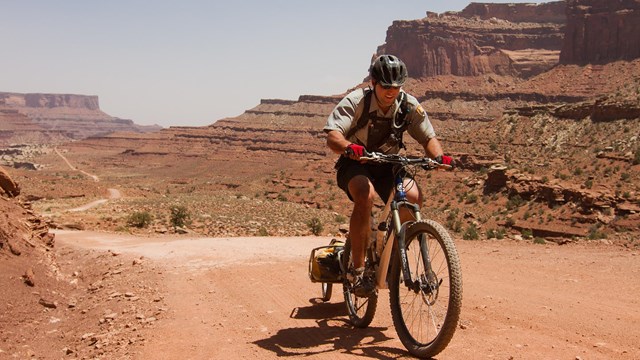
(361, 309)
(426, 309)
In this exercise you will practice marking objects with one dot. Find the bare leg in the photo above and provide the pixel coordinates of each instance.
(363, 195)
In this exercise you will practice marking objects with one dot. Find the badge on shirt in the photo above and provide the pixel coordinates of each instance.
(420, 110)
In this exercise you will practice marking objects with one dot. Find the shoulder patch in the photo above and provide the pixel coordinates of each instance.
(420, 110)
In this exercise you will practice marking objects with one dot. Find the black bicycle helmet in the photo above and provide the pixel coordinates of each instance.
(388, 70)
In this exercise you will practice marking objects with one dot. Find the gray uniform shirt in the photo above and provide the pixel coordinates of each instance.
(346, 114)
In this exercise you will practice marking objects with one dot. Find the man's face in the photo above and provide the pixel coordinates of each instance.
(386, 95)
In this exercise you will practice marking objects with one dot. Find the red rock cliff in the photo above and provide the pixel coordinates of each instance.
(62, 100)
(45, 118)
(479, 40)
(37, 100)
(599, 31)
(551, 12)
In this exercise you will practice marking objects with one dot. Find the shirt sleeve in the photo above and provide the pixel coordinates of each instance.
(420, 128)
(343, 116)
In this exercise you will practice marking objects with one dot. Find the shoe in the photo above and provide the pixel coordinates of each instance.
(363, 286)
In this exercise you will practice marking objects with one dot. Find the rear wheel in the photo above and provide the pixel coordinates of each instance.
(426, 312)
(327, 289)
(361, 309)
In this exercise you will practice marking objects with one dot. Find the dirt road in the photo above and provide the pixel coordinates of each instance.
(94, 177)
(113, 195)
(238, 298)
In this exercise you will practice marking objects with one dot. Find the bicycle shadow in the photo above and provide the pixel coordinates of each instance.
(332, 334)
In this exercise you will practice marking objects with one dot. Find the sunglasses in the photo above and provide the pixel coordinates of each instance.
(387, 87)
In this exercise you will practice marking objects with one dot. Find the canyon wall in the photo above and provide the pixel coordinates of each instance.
(599, 31)
(44, 118)
(481, 39)
(37, 100)
(521, 40)
(551, 12)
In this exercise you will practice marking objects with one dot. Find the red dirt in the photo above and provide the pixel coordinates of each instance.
(236, 298)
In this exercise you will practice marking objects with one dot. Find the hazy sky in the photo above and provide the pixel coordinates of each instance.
(192, 62)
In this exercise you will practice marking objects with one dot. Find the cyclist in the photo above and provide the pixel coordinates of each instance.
(373, 119)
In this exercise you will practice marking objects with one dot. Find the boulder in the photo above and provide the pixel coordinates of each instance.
(7, 185)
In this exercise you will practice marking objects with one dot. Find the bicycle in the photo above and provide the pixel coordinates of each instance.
(420, 267)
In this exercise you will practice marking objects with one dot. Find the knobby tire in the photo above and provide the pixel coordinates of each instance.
(361, 310)
(425, 320)
(327, 289)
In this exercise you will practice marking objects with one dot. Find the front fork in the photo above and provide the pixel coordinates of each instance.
(402, 244)
(423, 282)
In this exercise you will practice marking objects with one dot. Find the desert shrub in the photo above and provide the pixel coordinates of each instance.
(453, 222)
(139, 219)
(588, 184)
(539, 240)
(495, 234)
(527, 233)
(263, 231)
(515, 202)
(472, 199)
(471, 233)
(180, 216)
(340, 219)
(457, 226)
(315, 225)
(595, 233)
(509, 222)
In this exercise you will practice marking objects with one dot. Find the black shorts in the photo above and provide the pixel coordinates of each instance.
(380, 175)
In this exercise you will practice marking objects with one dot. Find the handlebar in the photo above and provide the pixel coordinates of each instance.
(426, 162)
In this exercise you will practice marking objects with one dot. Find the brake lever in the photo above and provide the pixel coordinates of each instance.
(436, 165)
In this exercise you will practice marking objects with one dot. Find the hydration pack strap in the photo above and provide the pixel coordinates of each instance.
(398, 125)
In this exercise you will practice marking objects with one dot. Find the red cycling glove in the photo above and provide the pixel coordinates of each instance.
(445, 160)
(354, 151)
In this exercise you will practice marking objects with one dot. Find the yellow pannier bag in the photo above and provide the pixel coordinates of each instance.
(324, 262)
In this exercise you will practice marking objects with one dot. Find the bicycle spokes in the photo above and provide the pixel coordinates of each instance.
(426, 308)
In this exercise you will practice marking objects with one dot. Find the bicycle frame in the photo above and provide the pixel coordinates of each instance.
(424, 317)
(384, 247)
